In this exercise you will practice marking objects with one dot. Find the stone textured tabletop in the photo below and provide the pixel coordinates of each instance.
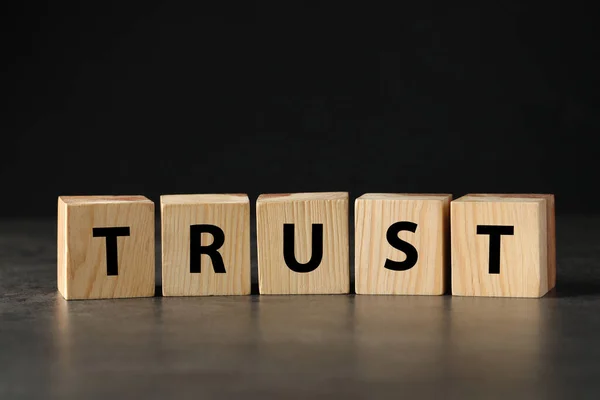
(309, 347)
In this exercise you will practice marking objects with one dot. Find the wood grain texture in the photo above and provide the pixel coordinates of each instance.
(374, 214)
(81, 266)
(527, 258)
(332, 276)
(231, 213)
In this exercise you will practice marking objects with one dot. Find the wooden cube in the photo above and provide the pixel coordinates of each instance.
(105, 247)
(401, 243)
(503, 245)
(205, 244)
(302, 243)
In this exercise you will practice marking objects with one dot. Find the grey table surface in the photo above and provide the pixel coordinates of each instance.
(339, 346)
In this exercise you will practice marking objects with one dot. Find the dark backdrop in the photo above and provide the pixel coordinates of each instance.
(282, 96)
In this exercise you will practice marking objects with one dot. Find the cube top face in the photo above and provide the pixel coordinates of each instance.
(88, 200)
(205, 245)
(375, 215)
(519, 230)
(307, 217)
(506, 197)
(105, 247)
(192, 199)
(316, 196)
(406, 196)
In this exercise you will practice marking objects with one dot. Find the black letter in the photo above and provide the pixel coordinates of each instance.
(112, 260)
(196, 248)
(288, 249)
(411, 253)
(495, 231)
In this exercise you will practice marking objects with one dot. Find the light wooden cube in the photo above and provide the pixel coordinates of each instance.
(417, 266)
(105, 247)
(303, 216)
(517, 261)
(205, 244)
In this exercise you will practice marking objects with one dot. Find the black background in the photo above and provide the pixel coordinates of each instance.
(263, 97)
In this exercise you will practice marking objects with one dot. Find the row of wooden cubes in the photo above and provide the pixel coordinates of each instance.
(405, 244)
